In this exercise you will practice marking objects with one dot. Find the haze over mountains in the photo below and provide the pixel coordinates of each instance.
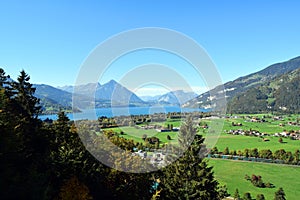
(174, 97)
(275, 88)
(109, 94)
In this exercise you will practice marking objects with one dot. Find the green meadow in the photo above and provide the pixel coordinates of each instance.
(136, 134)
(233, 142)
(239, 142)
(232, 173)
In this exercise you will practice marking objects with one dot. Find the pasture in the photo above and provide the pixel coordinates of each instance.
(232, 173)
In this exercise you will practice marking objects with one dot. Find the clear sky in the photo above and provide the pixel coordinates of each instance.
(51, 39)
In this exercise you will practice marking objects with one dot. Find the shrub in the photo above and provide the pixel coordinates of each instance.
(168, 137)
(144, 137)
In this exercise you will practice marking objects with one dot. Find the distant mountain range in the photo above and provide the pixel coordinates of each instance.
(275, 88)
(177, 97)
(53, 99)
(111, 92)
(263, 91)
(106, 95)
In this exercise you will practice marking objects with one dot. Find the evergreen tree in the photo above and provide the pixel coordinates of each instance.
(260, 197)
(24, 96)
(279, 194)
(297, 156)
(189, 177)
(247, 196)
(226, 151)
(236, 195)
(23, 145)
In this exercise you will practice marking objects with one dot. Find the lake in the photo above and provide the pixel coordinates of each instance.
(92, 114)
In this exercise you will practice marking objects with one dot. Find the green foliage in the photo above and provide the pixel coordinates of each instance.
(214, 150)
(258, 182)
(73, 189)
(23, 146)
(247, 196)
(226, 151)
(232, 174)
(252, 101)
(236, 195)
(189, 177)
(260, 197)
(279, 194)
(222, 192)
(40, 160)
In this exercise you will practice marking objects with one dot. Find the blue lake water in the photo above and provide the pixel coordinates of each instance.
(93, 114)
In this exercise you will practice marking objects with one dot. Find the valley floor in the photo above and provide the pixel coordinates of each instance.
(232, 173)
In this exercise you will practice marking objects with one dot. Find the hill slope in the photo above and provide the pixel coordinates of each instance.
(245, 83)
(53, 99)
(281, 94)
(177, 97)
(106, 95)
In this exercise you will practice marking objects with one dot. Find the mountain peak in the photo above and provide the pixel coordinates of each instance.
(112, 81)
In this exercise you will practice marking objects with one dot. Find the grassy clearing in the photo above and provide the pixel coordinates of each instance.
(239, 142)
(270, 126)
(136, 134)
(233, 142)
(232, 174)
(174, 122)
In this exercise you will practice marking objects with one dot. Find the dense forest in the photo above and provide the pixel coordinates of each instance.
(47, 159)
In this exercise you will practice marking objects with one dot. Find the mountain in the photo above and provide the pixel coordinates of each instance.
(86, 89)
(117, 93)
(281, 94)
(108, 94)
(245, 83)
(150, 98)
(177, 97)
(53, 99)
(48, 92)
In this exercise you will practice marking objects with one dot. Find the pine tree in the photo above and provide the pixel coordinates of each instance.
(24, 95)
(279, 194)
(189, 177)
(260, 197)
(236, 195)
(23, 145)
(247, 196)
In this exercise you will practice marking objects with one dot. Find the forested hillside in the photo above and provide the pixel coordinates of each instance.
(281, 94)
(251, 83)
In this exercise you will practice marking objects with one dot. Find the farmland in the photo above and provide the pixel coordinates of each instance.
(233, 142)
(232, 173)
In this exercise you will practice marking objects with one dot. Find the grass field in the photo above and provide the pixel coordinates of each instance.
(136, 134)
(233, 142)
(232, 174)
(270, 126)
(239, 142)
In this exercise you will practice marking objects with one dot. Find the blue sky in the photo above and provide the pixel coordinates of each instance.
(51, 39)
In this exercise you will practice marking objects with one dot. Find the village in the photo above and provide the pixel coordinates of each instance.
(292, 134)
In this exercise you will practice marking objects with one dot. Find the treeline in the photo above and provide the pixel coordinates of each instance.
(48, 160)
(278, 195)
(286, 157)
